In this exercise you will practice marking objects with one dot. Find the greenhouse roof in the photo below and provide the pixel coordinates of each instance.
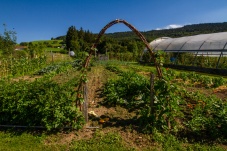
(215, 42)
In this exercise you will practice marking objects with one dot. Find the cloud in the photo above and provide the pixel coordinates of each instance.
(170, 27)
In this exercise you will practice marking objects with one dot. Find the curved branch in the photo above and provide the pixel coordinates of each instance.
(135, 31)
(92, 50)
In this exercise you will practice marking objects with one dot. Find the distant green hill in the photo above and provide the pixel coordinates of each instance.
(49, 43)
(187, 30)
(46, 43)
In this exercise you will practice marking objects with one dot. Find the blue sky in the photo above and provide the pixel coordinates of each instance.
(43, 19)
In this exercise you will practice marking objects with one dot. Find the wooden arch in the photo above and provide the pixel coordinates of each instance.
(92, 50)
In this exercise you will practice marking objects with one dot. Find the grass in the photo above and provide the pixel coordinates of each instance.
(27, 142)
(57, 57)
(54, 49)
(49, 41)
(169, 142)
(24, 141)
(99, 142)
(52, 44)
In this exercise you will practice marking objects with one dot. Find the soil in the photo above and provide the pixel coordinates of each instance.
(219, 92)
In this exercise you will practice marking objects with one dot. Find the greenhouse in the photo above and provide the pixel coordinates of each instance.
(203, 51)
(213, 44)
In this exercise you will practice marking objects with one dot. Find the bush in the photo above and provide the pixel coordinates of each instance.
(20, 54)
(131, 90)
(209, 118)
(39, 103)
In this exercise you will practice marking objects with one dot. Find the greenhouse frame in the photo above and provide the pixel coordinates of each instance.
(212, 46)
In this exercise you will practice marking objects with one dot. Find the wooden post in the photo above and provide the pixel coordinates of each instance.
(52, 57)
(85, 103)
(152, 92)
(221, 55)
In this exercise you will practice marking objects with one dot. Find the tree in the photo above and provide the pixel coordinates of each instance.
(71, 39)
(23, 43)
(88, 37)
(81, 33)
(7, 41)
(35, 49)
(31, 49)
(132, 47)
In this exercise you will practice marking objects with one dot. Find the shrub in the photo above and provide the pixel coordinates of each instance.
(39, 103)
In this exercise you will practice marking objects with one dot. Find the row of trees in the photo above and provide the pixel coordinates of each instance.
(77, 40)
(81, 40)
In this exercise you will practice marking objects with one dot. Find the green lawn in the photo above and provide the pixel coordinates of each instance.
(52, 43)
(54, 49)
(25, 141)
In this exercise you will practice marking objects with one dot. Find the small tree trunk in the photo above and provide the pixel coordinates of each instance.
(152, 93)
(85, 103)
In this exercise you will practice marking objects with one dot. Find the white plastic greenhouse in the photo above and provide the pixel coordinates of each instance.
(211, 44)
(207, 51)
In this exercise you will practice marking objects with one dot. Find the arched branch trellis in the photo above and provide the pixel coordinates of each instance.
(135, 31)
(92, 50)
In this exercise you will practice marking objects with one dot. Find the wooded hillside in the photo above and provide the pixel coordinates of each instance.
(187, 30)
(127, 42)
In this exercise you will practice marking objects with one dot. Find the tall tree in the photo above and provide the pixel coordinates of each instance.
(81, 33)
(88, 37)
(71, 39)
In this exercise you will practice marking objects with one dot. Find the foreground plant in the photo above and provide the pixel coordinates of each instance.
(39, 103)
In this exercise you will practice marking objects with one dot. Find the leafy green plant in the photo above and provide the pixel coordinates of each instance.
(183, 76)
(131, 90)
(160, 57)
(167, 108)
(59, 68)
(169, 73)
(113, 68)
(218, 81)
(205, 81)
(49, 104)
(208, 117)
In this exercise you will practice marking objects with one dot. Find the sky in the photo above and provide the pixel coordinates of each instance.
(44, 19)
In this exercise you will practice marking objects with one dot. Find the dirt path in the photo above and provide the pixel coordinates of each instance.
(119, 120)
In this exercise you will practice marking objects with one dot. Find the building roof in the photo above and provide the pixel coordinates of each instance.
(20, 47)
